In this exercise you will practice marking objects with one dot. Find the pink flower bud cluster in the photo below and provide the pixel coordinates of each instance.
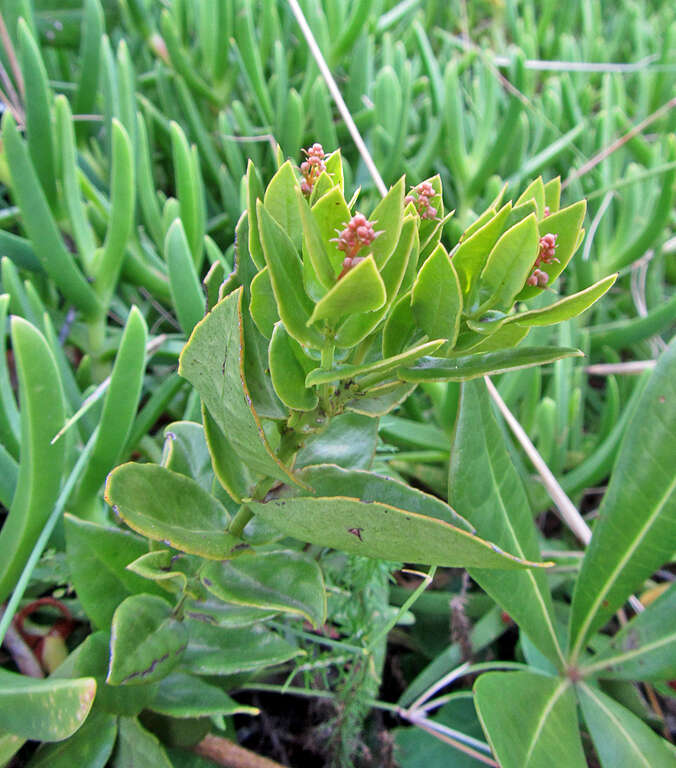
(312, 167)
(358, 233)
(546, 255)
(421, 196)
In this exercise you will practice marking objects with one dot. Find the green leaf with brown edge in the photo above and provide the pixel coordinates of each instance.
(313, 244)
(214, 650)
(636, 530)
(147, 642)
(485, 487)
(530, 719)
(44, 710)
(436, 298)
(98, 557)
(212, 361)
(264, 399)
(388, 531)
(167, 569)
(172, 508)
(285, 581)
(287, 372)
(471, 366)
(186, 452)
(553, 194)
(280, 201)
(479, 343)
(620, 737)
(380, 367)
(183, 695)
(232, 473)
(644, 648)
(387, 218)
(360, 290)
(471, 253)
(286, 274)
(566, 225)
(263, 307)
(508, 265)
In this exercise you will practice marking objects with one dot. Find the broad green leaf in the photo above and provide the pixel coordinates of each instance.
(387, 217)
(566, 225)
(379, 368)
(147, 641)
(436, 298)
(254, 191)
(379, 400)
(509, 264)
(186, 291)
(182, 695)
(287, 372)
(530, 719)
(256, 374)
(92, 658)
(41, 464)
(485, 487)
(212, 361)
(384, 527)
(360, 290)
(215, 612)
(186, 452)
(313, 244)
(399, 327)
(138, 747)
(619, 736)
(281, 203)
(168, 507)
(636, 529)
(479, 222)
(216, 650)
(119, 408)
(97, 559)
(334, 168)
(553, 194)
(90, 747)
(285, 581)
(232, 473)
(348, 440)
(332, 215)
(44, 710)
(471, 366)
(471, 254)
(263, 307)
(286, 275)
(534, 191)
(643, 649)
(504, 338)
(9, 746)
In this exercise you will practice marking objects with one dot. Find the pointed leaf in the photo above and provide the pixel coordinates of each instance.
(280, 201)
(183, 695)
(287, 372)
(534, 191)
(285, 581)
(136, 747)
(286, 274)
(168, 507)
(147, 642)
(436, 299)
(263, 307)
(212, 361)
(619, 736)
(332, 215)
(313, 244)
(530, 719)
(636, 529)
(497, 505)
(387, 217)
(360, 290)
(643, 649)
(509, 264)
(472, 366)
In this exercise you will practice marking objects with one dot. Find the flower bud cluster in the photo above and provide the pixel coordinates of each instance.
(546, 255)
(358, 233)
(421, 196)
(312, 167)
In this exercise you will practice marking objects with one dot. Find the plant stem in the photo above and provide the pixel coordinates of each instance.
(240, 520)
